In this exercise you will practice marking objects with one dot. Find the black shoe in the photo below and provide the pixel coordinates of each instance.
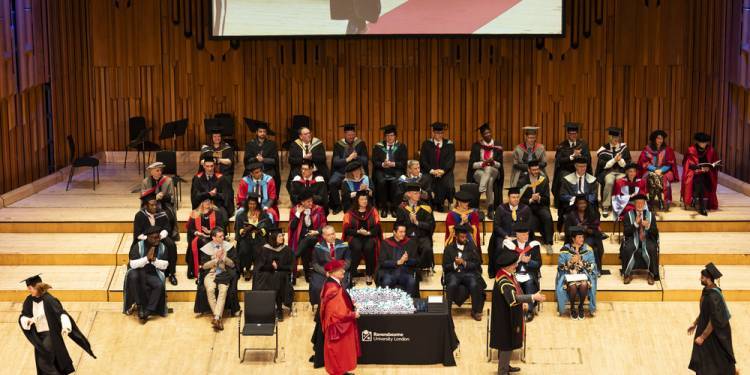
(294, 280)
(514, 369)
(173, 279)
(383, 213)
(280, 315)
(573, 313)
(581, 313)
(529, 316)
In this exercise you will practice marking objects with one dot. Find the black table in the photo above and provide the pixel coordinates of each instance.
(408, 339)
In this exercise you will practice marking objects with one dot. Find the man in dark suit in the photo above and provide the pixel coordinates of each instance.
(535, 193)
(507, 214)
(462, 266)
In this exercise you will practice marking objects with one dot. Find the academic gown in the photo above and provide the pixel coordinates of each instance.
(201, 306)
(196, 223)
(664, 159)
(339, 327)
(321, 255)
(268, 278)
(472, 256)
(386, 179)
(316, 185)
(692, 158)
(342, 150)
(266, 189)
(421, 232)
(456, 216)
(59, 357)
(522, 155)
(541, 216)
(622, 192)
(270, 153)
(592, 225)
(429, 158)
(423, 180)
(587, 256)
(716, 355)
(564, 165)
(503, 227)
(137, 251)
(164, 185)
(254, 237)
(390, 252)
(224, 151)
(506, 320)
(636, 253)
(605, 163)
(494, 152)
(202, 185)
(296, 153)
(534, 265)
(349, 189)
(141, 223)
(569, 190)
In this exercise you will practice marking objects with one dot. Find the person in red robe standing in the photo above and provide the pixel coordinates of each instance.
(338, 318)
(699, 175)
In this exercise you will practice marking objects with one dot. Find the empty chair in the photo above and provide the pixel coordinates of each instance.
(138, 132)
(86, 161)
(260, 320)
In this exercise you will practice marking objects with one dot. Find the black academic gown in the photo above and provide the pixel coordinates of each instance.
(421, 233)
(565, 166)
(270, 153)
(227, 152)
(342, 150)
(202, 185)
(506, 319)
(386, 179)
(232, 303)
(472, 266)
(141, 223)
(444, 186)
(268, 278)
(135, 253)
(317, 186)
(716, 355)
(607, 153)
(59, 356)
(296, 152)
(497, 156)
(631, 245)
(502, 227)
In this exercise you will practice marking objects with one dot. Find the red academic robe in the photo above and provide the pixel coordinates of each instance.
(691, 158)
(619, 188)
(339, 324)
(454, 217)
(664, 157)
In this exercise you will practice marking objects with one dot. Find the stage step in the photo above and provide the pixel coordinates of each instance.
(104, 283)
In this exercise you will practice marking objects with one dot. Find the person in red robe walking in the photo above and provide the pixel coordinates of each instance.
(338, 318)
(699, 175)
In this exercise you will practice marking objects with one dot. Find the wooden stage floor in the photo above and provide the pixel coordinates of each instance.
(624, 338)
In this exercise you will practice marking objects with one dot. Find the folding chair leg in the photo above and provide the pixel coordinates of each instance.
(125, 163)
(93, 178)
(70, 177)
(276, 350)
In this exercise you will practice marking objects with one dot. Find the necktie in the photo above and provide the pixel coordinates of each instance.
(513, 214)
(486, 153)
(437, 153)
(580, 185)
(307, 149)
(333, 250)
(389, 154)
(257, 188)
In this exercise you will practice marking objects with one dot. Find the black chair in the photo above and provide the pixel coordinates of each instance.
(85, 161)
(260, 320)
(138, 132)
(473, 189)
(169, 158)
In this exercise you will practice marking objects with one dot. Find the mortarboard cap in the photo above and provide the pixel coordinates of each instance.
(254, 166)
(702, 137)
(520, 227)
(530, 129)
(484, 127)
(438, 126)
(506, 258)
(349, 127)
(389, 129)
(353, 165)
(572, 127)
(463, 196)
(711, 271)
(32, 280)
(413, 186)
(533, 163)
(631, 165)
(513, 190)
(580, 160)
(305, 195)
(614, 131)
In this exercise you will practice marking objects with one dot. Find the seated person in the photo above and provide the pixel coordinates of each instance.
(625, 189)
(586, 218)
(699, 175)
(398, 261)
(273, 268)
(304, 220)
(577, 183)
(163, 187)
(529, 263)
(199, 226)
(462, 214)
(414, 175)
(361, 229)
(639, 249)
(262, 185)
(420, 224)
(221, 152)
(525, 152)
(658, 166)
(262, 150)
(535, 193)
(212, 185)
(250, 226)
(462, 266)
(388, 163)
(151, 215)
(144, 288)
(506, 216)
(217, 283)
(576, 276)
(486, 168)
(310, 149)
(328, 249)
(354, 181)
(612, 158)
(346, 151)
(307, 181)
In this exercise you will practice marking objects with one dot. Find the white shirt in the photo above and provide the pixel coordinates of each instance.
(40, 319)
(460, 253)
